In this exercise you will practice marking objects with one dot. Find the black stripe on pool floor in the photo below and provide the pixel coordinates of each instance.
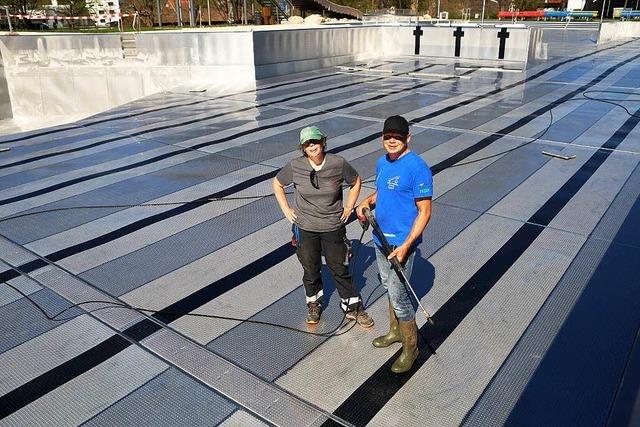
(127, 116)
(137, 225)
(372, 395)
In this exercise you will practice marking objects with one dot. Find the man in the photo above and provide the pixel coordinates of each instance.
(404, 187)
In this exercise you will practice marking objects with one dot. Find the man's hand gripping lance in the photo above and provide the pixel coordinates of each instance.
(387, 249)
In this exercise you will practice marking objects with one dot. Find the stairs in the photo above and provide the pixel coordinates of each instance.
(128, 43)
(273, 12)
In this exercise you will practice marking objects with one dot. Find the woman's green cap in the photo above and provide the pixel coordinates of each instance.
(309, 133)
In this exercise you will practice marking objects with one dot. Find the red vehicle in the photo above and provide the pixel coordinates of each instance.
(522, 14)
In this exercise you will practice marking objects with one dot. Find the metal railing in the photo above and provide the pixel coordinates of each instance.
(343, 10)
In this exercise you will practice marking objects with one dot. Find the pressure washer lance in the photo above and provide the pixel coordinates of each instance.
(387, 249)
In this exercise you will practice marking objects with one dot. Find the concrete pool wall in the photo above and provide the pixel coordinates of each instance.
(71, 74)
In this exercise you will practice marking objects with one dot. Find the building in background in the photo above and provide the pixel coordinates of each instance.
(105, 12)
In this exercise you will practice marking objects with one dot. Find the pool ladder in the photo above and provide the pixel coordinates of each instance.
(129, 47)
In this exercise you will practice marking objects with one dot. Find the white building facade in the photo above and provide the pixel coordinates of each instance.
(104, 12)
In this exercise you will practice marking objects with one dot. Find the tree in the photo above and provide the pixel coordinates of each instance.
(146, 10)
(23, 7)
(73, 8)
(218, 8)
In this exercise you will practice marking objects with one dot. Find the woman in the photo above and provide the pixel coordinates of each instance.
(318, 219)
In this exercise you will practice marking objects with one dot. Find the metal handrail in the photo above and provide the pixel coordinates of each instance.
(327, 4)
(344, 10)
(284, 13)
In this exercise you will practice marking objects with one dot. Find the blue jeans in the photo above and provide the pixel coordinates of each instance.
(398, 294)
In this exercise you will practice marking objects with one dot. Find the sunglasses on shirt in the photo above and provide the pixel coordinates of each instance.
(313, 178)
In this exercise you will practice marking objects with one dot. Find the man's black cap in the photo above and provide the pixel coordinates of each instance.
(396, 124)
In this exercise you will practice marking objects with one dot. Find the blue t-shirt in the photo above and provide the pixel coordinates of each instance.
(399, 183)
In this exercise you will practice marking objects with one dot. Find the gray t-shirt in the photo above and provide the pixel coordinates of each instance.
(318, 209)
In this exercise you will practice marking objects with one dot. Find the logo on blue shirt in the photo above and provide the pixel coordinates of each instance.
(423, 189)
(392, 183)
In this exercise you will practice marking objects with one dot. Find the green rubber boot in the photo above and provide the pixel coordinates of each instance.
(409, 332)
(394, 332)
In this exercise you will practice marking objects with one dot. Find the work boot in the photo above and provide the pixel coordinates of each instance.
(409, 333)
(394, 332)
(360, 316)
(315, 309)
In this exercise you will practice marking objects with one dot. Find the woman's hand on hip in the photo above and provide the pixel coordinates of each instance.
(346, 213)
(290, 214)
